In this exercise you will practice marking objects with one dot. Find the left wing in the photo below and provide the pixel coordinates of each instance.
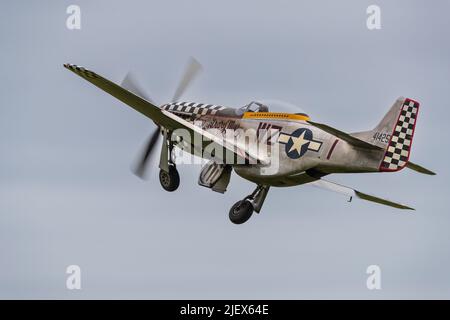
(161, 117)
(331, 186)
(136, 102)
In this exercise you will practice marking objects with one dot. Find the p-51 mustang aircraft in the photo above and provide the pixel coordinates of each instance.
(301, 151)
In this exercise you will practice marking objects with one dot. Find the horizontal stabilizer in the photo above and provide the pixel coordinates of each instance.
(420, 169)
(331, 186)
(345, 136)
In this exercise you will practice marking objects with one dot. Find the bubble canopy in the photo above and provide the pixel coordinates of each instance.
(272, 106)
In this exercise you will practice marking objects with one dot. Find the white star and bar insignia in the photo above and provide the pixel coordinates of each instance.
(298, 142)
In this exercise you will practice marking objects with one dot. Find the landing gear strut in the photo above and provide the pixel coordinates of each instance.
(242, 210)
(168, 174)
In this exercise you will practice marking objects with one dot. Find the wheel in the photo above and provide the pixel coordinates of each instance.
(169, 180)
(241, 211)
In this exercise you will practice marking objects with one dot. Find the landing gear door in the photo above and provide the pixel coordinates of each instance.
(215, 176)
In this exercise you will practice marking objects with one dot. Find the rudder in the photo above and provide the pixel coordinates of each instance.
(394, 134)
(398, 149)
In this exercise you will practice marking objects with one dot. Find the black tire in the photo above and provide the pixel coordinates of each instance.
(241, 211)
(169, 180)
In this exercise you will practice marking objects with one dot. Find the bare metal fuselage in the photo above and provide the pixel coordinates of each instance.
(329, 155)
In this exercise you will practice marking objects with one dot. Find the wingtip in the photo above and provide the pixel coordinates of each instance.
(71, 66)
(405, 207)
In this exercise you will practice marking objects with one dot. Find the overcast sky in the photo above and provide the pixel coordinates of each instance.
(67, 195)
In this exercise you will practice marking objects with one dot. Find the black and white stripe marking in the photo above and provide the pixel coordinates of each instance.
(193, 108)
(81, 71)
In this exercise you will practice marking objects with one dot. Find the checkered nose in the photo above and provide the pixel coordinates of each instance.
(398, 150)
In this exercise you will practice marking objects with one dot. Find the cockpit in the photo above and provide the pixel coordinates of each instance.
(276, 106)
(253, 107)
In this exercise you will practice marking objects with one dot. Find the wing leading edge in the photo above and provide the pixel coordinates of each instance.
(345, 136)
(136, 102)
(365, 145)
(161, 117)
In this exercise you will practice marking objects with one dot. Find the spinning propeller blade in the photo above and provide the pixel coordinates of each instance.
(140, 169)
(131, 84)
(192, 70)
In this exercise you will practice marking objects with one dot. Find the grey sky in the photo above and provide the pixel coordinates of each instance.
(67, 195)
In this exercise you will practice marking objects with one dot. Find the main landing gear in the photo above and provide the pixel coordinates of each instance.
(242, 210)
(170, 180)
(168, 174)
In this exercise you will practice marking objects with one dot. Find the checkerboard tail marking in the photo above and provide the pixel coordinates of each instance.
(399, 148)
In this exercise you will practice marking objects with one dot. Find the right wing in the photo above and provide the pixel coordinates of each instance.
(161, 117)
(331, 186)
(345, 136)
(365, 145)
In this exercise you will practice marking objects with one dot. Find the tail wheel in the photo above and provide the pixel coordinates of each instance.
(169, 180)
(241, 211)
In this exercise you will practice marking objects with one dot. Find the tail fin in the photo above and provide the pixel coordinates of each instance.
(394, 134)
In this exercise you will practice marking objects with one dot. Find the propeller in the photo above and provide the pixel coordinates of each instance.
(130, 83)
(140, 168)
(192, 70)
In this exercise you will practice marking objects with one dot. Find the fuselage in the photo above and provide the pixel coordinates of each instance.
(303, 151)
